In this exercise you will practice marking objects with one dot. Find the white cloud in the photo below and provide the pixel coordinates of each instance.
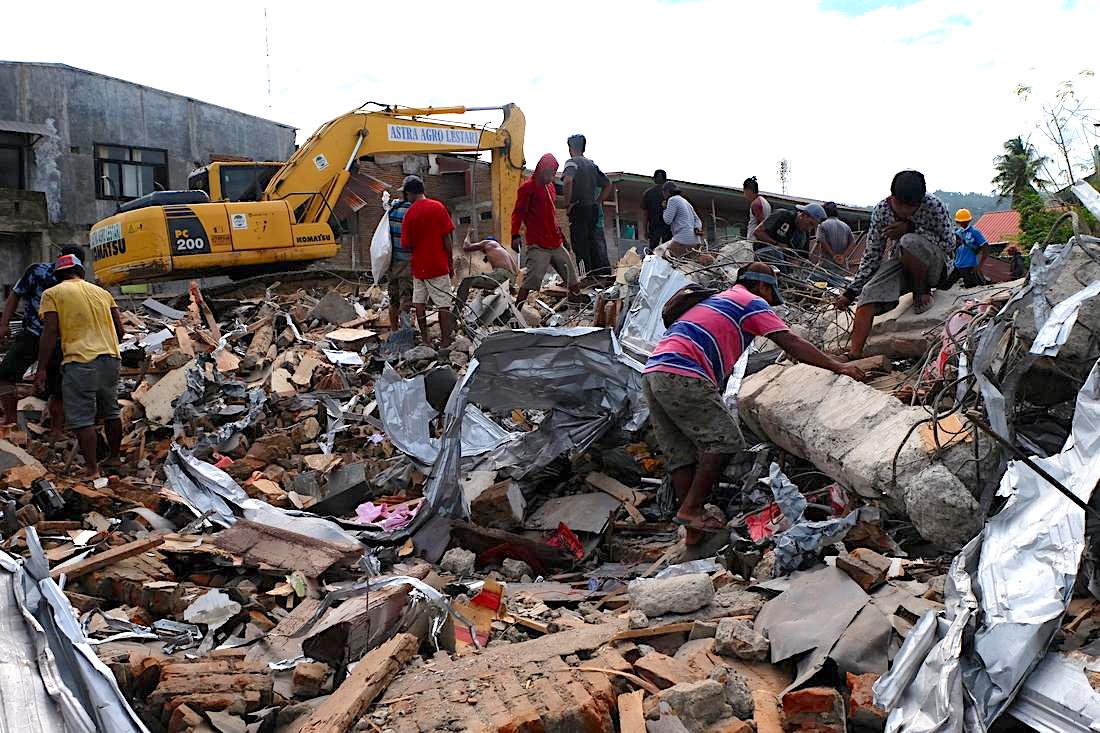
(713, 91)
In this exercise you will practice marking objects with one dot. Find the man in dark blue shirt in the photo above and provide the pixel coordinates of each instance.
(23, 349)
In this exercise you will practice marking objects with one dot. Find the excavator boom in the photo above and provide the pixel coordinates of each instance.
(176, 234)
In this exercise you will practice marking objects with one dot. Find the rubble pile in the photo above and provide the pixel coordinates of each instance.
(321, 524)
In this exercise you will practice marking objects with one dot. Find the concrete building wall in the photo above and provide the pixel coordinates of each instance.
(84, 109)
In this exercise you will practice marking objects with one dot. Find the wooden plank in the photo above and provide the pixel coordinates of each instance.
(108, 557)
(615, 488)
(654, 631)
(631, 718)
(872, 363)
(340, 711)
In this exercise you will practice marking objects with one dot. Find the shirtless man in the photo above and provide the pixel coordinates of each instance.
(504, 268)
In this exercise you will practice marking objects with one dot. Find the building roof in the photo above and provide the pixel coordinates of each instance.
(66, 67)
(999, 226)
(783, 198)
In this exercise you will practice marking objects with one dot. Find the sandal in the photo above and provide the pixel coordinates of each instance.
(711, 521)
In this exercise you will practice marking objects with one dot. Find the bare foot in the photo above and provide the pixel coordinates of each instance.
(922, 302)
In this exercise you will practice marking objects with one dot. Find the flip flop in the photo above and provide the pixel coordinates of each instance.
(712, 521)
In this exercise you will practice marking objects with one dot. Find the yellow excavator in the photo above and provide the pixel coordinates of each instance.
(169, 235)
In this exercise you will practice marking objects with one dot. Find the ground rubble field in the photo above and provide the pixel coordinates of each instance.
(321, 524)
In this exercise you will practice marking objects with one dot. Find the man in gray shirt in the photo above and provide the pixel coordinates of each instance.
(834, 236)
(682, 220)
(584, 189)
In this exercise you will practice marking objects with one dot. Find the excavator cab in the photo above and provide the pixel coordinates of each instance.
(233, 180)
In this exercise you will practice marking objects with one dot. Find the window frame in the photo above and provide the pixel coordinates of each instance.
(98, 163)
(21, 164)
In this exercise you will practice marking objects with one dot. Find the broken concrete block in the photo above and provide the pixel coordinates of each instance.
(419, 353)
(663, 670)
(850, 432)
(636, 619)
(309, 678)
(736, 637)
(814, 710)
(333, 308)
(737, 601)
(12, 455)
(513, 569)
(865, 566)
(862, 711)
(157, 400)
(499, 506)
(696, 704)
(459, 562)
(679, 594)
(738, 694)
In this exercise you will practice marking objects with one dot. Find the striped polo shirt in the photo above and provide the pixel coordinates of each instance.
(707, 341)
(397, 218)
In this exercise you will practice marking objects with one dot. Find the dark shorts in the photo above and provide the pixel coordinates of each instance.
(23, 353)
(689, 418)
(399, 282)
(90, 391)
(891, 281)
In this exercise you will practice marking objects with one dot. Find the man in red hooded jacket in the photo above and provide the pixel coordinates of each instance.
(536, 213)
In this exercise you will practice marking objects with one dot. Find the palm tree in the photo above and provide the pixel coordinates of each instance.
(1018, 170)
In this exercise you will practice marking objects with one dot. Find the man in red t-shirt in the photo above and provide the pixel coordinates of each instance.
(535, 211)
(426, 230)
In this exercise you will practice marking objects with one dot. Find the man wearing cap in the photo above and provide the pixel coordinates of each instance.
(536, 215)
(970, 252)
(86, 319)
(684, 379)
(788, 229)
(36, 279)
(399, 281)
(426, 233)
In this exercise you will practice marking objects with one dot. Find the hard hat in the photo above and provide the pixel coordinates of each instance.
(963, 215)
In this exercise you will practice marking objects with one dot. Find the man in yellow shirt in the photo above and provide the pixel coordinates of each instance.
(87, 320)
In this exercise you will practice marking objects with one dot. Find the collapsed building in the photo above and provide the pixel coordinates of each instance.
(323, 526)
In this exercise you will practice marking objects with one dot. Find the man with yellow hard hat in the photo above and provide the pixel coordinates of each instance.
(970, 253)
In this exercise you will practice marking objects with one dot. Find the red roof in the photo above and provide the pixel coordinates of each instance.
(999, 226)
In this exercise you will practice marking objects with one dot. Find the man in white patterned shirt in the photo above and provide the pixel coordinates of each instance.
(910, 248)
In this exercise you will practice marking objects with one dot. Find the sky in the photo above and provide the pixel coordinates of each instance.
(847, 91)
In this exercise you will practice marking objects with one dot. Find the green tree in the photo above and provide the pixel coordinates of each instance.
(1019, 170)
(1036, 219)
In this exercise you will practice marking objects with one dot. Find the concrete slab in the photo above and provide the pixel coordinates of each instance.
(851, 432)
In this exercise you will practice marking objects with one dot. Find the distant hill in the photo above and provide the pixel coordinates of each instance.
(978, 203)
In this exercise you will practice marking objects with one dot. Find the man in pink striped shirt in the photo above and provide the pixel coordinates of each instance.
(684, 378)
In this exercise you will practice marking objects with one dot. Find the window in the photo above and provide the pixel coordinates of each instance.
(11, 166)
(245, 182)
(123, 173)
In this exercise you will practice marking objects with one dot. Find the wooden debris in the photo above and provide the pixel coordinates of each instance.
(631, 719)
(369, 678)
(107, 557)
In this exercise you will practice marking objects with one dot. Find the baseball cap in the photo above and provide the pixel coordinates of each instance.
(68, 262)
(411, 179)
(817, 211)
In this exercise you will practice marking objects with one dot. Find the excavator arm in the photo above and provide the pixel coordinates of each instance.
(315, 176)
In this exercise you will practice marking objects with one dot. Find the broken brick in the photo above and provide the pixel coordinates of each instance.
(862, 711)
(865, 566)
(814, 710)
